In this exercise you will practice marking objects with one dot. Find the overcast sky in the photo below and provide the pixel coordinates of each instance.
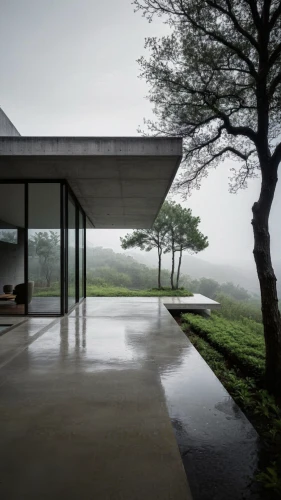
(68, 67)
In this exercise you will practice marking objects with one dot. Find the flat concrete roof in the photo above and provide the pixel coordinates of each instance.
(121, 182)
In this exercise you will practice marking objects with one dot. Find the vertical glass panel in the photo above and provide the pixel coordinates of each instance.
(71, 253)
(44, 264)
(12, 249)
(81, 255)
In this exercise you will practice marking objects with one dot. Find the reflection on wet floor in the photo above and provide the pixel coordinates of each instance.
(218, 445)
(82, 410)
(89, 403)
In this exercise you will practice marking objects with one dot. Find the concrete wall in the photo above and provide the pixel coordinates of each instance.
(6, 126)
(12, 262)
(11, 206)
(11, 255)
(120, 147)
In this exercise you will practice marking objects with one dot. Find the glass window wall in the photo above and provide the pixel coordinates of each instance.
(39, 272)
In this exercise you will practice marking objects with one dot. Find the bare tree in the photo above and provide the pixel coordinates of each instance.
(216, 81)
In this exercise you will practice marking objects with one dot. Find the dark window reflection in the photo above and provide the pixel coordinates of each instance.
(12, 249)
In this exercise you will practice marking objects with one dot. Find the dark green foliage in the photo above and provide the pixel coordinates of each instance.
(270, 478)
(241, 341)
(233, 309)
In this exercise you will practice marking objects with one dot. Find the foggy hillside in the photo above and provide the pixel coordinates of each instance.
(198, 268)
(195, 267)
(106, 268)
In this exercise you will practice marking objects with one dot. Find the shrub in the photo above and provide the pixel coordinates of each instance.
(241, 341)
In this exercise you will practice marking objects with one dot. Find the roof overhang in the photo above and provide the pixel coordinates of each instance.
(119, 182)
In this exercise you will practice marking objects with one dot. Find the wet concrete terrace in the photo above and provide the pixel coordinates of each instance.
(113, 402)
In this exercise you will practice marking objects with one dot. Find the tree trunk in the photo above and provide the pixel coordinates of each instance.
(179, 267)
(269, 300)
(173, 270)
(159, 267)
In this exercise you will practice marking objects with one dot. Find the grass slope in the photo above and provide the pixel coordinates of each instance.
(240, 341)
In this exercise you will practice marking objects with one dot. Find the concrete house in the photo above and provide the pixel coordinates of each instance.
(52, 189)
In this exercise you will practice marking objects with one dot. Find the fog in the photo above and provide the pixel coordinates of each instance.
(69, 67)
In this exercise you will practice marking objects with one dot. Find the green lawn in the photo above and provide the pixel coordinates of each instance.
(111, 291)
(108, 291)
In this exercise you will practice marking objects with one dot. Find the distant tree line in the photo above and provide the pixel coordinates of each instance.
(211, 288)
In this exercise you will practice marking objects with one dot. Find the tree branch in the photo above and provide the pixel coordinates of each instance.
(255, 13)
(224, 42)
(274, 17)
(231, 68)
(242, 130)
(233, 18)
(230, 149)
(207, 143)
(227, 149)
(275, 82)
(274, 56)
